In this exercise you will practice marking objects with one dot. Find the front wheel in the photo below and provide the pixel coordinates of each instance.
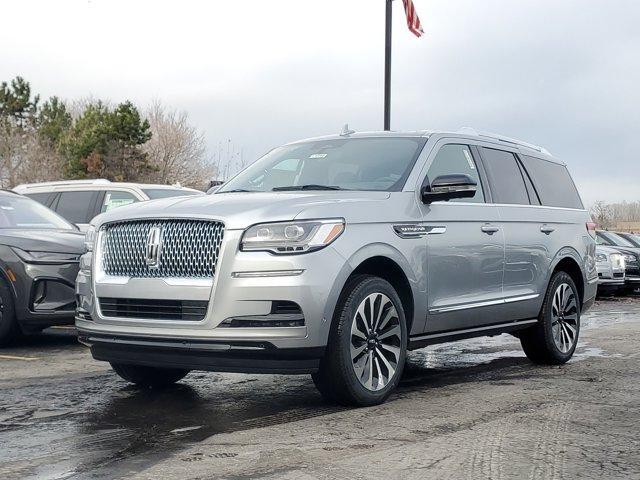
(367, 344)
(553, 339)
(149, 377)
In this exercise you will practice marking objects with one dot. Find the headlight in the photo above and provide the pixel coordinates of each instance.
(601, 257)
(291, 237)
(45, 257)
(629, 258)
(90, 238)
(617, 260)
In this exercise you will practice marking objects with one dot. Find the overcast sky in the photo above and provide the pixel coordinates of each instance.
(562, 74)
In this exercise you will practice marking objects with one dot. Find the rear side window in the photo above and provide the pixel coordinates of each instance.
(553, 182)
(507, 184)
(42, 198)
(77, 207)
(116, 198)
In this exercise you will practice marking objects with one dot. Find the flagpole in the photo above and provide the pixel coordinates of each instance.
(387, 66)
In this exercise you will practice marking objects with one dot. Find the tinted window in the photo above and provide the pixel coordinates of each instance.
(20, 212)
(376, 163)
(76, 206)
(553, 183)
(155, 193)
(42, 198)
(452, 159)
(115, 199)
(507, 184)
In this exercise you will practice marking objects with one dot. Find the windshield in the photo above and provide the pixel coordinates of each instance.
(616, 239)
(21, 212)
(375, 163)
(156, 193)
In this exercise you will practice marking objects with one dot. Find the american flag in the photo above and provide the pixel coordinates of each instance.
(413, 22)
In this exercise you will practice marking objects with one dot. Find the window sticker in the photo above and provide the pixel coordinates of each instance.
(111, 203)
(318, 155)
(469, 159)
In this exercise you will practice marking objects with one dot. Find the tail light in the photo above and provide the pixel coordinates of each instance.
(591, 228)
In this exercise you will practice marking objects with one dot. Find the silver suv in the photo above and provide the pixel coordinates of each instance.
(334, 256)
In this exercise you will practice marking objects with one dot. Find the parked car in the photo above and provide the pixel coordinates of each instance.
(334, 256)
(631, 257)
(80, 200)
(611, 270)
(39, 254)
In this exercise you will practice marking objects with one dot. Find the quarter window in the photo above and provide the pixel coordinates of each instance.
(553, 182)
(507, 184)
(456, 159)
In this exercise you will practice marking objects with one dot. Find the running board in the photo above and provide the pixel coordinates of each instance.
(422, 340)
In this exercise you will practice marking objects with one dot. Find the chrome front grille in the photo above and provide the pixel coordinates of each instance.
(184, 248)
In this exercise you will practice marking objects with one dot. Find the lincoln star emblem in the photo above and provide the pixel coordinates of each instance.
(154, 247)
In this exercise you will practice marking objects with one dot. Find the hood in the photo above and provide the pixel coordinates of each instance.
(606, 250)
(46, 240)
(242, 209)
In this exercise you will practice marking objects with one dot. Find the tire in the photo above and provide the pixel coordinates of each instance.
(9, 329)
(553, 339)
(383, 348)
(149, 377)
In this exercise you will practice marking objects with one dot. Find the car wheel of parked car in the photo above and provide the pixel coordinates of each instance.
(367, 344)
(149, 377)
(554, 338)
(9, 328)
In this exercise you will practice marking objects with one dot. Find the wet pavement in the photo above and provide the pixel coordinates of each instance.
(64, 415)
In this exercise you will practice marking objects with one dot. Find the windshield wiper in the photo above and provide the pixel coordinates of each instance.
(310, 186)
(236, 190)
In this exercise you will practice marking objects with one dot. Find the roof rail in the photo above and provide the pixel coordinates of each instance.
(502, 138)
(59, 183)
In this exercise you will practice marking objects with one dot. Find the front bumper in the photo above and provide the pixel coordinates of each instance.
(44, 293)
(198, 354)
(315, 290)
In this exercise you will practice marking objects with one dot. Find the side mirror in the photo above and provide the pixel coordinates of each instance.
(446, 187)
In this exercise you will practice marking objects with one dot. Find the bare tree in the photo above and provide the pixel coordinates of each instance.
(25, 157)
(602, 214)
(177, 149)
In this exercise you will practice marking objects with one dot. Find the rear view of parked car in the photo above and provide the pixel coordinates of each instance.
(611, 270)
(334, 256)
(80, 200)
(39, 254)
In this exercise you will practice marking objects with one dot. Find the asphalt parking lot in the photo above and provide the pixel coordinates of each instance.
(473, 409)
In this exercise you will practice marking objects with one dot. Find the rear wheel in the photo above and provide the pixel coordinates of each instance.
(554, 338)
(149, 377)
(367, 345)
(9, 329)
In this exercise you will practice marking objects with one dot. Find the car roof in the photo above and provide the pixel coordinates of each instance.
(100, 182)
(463, 133)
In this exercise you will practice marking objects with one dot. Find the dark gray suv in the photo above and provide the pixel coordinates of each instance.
(335, 255)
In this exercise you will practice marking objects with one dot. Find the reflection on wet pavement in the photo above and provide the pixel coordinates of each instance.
(94, 425)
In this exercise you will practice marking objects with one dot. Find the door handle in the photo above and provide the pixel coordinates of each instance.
(489, 229)
(546, 229)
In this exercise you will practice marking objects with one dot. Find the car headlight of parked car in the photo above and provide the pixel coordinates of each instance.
(629, 258)
(601, 257)
(617, 260)
(90, 238)
(291, 237)
(45, 257)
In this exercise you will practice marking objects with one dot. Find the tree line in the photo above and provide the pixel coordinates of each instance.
(55, 139)
(609, 215)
